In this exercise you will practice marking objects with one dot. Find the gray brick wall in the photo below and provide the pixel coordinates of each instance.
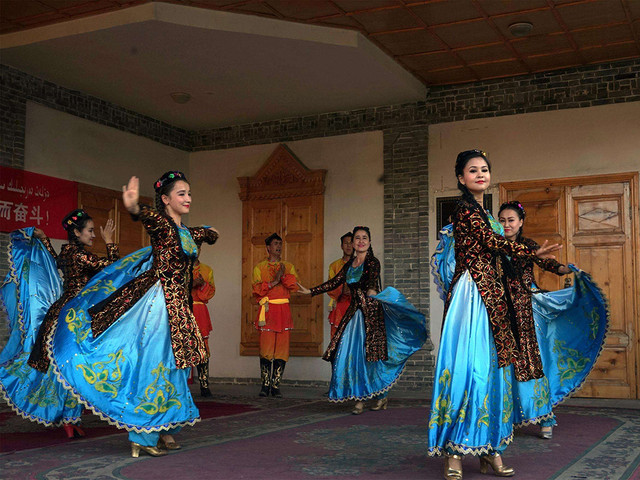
(405, 133)
(17, 87)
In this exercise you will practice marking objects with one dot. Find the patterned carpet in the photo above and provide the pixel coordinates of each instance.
(313, 439)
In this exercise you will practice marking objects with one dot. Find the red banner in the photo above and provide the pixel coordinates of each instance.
(32, 200)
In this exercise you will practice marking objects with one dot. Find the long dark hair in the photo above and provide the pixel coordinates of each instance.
(508, 270)
(517, 207)
(75, 220)
(164, 186)
(461, 162)
(364, 229)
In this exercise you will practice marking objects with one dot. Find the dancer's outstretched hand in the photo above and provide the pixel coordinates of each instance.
(545, 251)
(131, 195)
(107, 232)
(303, 290)
(39, 234)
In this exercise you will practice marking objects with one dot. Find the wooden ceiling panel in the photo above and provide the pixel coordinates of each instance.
(599, 12)
(432, 61)
(43, 19)
(357, 5)
(64, 4)
(446, 11)
(348, 22)
(444, 77)
(82, 8)
(226, 4)
(418, 41)
(536, 45)
(312, 9)
(543, 22)
(6, 27)
(634, 8)
(500, 69)
(256, 9)
(467, 34)
(493, 7)
(487, 53)
(16, 10)
(447, 32)
(551, 62)
(610, 52)
(384, 20)
(603, 36)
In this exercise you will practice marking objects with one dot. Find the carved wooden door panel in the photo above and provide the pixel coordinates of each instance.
(596, 220)
(287, 198)
(102, 204)
(601, 243)
(303, 238)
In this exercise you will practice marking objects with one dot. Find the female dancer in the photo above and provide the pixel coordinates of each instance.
(544, 345)
(34, 299)
(472, 404)
(376, 335)
(131, 337)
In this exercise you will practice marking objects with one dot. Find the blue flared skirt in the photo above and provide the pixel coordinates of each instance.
(472, 403)
(570, 325)
(30, 288)
(128, 374)
(352, 376)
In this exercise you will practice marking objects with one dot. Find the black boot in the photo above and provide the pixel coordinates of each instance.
(276, 377)
(203, 378)
(265, 376)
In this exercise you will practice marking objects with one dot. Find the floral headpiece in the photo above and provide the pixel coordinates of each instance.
(167, 178)
(75, 219)
(513, 205)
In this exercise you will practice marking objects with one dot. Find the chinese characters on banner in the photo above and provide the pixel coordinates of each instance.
(33, 200)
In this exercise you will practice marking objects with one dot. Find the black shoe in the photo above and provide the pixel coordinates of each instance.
(205, 392)
(276, 392)
(264, 391)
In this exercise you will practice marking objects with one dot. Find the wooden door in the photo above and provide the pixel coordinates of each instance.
(102, 204)
(261, 218)
(596, 220)
(286, 198)
(303, 246)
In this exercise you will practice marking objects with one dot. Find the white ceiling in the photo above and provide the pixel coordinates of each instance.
(238, 68)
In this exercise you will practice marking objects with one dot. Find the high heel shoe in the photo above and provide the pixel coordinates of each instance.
(546, 433)
(153, 451)
(358, 409)
(452, 473)
(73, 431)
(168, 445)
(381, 404)
(487, 461)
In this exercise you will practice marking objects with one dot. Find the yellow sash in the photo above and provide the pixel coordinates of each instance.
(264, 308)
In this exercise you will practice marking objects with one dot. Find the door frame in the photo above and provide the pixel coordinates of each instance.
(634, 206)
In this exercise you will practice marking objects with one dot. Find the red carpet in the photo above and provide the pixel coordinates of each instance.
(26, 434)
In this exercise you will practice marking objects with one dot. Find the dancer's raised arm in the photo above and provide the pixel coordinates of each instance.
(131, 195)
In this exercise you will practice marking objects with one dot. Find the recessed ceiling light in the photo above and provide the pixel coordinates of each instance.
(181, 97)
(520, 29)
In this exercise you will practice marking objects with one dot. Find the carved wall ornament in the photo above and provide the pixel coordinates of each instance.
(282, 175)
